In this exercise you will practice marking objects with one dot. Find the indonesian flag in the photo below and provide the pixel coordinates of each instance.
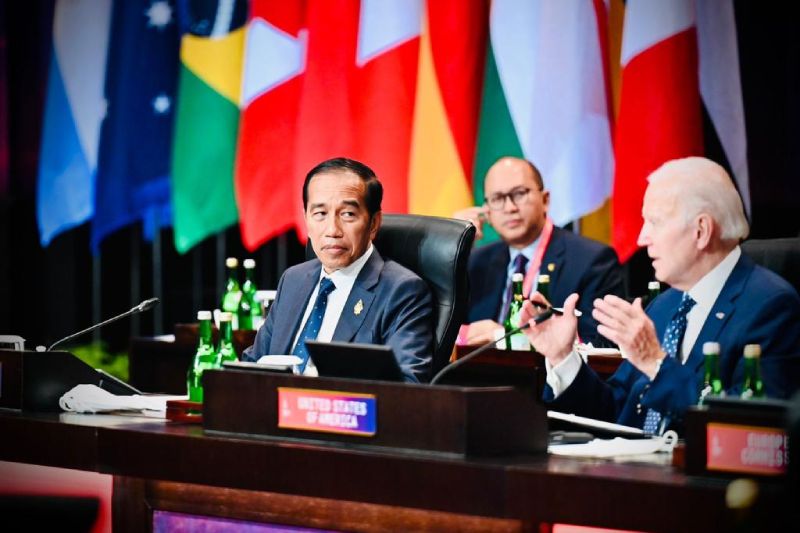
(660, 113)
(337, 78)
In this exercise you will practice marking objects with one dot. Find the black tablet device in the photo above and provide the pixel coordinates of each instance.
(350, 360)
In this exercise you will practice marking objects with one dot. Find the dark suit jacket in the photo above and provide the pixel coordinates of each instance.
(755, 306)
(578, 265)
(398, 312)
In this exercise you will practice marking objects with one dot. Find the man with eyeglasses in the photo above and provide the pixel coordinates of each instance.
(515, 206)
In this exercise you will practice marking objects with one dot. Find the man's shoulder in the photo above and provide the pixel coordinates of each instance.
(301, 270)
(480, 254)
(394, 272)
(304, 267)
(764, 284)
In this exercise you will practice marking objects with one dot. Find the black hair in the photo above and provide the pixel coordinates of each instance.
(374, 193)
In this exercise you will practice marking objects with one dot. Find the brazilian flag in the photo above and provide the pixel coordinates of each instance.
(204, 145)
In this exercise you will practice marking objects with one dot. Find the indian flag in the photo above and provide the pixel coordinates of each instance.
(546, 98)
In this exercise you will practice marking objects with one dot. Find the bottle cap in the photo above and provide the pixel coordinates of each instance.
(249, 263)
(516, 277)
(204, 315)
(752, 350)
(225, 316)
(231, 262)
(544, 278)
(710, 348)
(654, 286)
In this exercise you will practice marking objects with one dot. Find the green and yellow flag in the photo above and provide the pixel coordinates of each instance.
(206, 125)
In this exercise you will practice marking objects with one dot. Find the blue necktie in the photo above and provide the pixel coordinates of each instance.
(673, 338)
(314, 322)
(520, 262)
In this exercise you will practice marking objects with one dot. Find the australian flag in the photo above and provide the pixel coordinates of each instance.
(136, 137)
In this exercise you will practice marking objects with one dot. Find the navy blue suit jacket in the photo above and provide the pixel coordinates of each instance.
(397, 312)
(755, 306)
(574, 263)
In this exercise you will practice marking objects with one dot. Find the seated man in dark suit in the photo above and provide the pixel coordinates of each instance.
(516, 207)
(693, 223)
(350, 293)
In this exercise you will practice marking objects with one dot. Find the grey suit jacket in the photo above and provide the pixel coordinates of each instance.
(397, 312)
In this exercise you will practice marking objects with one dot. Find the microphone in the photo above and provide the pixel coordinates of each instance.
(538, 319)
(144, 306)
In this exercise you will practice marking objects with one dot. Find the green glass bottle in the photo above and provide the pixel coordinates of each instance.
(233, 293)
(518, 341)
(203, 358)
(752, 386)
(712, 384)
(653, 290)
(225, 351)
(543, 286)
(249, 309)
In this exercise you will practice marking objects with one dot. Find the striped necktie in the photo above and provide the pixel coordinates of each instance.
(673, 338)
(314, 322)
(520, 262)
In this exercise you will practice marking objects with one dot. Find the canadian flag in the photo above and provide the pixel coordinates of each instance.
(321, 80)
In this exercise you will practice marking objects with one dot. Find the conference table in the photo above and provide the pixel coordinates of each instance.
(159, 466)
(163, 468)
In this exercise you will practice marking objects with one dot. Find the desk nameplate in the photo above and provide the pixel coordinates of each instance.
(326, 411)
(746, 449)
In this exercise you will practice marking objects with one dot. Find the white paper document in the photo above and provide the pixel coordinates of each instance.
(93, 399)
(618, 429)
(617, 446)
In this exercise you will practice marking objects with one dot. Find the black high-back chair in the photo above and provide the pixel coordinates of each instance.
(437, 250)
(782, 256)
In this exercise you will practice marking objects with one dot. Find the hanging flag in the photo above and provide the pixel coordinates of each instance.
(660, 113)
(74, 108)
(546, 98)
(721, 86)
(449, 79)
(275, 57)
(207, 119)
(135, 141)
(354, 97)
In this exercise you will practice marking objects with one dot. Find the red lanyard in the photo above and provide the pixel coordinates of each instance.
(536, 260)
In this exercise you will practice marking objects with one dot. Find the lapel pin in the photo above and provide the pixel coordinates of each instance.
(551, 267)
(720, 315)
(358, 307)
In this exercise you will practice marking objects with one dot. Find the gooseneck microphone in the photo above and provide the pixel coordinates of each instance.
(144, 306)
(538, 319)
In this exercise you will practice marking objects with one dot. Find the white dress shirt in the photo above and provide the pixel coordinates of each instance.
(705, 293)
(343, 279)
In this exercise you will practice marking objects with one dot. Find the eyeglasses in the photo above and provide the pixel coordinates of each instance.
(497, 202)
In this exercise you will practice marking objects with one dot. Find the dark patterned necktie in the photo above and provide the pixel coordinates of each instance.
(314, 322)
(673, 338)
(520, 262)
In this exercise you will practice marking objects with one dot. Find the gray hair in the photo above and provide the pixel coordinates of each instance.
(703, 186)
